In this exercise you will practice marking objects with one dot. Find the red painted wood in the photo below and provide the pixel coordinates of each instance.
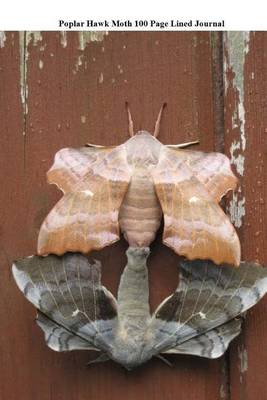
(249, 356)
(74, 97)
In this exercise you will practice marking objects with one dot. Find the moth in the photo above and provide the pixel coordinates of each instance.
(76, 312)
(129, 187)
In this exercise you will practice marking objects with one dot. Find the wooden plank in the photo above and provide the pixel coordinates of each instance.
(74, 87)
(245, 141)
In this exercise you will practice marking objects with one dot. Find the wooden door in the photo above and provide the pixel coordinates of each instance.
(65, 89)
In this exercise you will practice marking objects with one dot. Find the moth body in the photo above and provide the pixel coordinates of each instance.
(140, 213)
(133, 310)
(129, 353)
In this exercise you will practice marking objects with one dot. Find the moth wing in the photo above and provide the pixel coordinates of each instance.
(76, 309)
(59, 338)
(207, 297)
(86, 218)
(71, 165)
(195, 226)
(211, 344)
(213, 170)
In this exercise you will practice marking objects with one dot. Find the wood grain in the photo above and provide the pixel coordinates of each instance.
(246, 118)
(77, 96)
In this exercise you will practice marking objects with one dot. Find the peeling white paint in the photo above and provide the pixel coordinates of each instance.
(25, 38)
(23, 71)
(237, 47)
(63, 39)
(237, 159)
(241, 113)
(237, 44)
(120, 68)
(101, 78)
(78, 63)
(86, 37)
(2, 39)
(237, 210)
(41, 64)
(243, 358)
(83, 119)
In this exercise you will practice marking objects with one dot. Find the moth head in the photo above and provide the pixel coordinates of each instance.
(137, 257)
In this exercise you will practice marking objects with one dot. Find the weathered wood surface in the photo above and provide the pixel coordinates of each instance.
(65, 90)
(245, 142)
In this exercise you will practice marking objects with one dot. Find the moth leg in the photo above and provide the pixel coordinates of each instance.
(182, 145)
(130, 121)
(164, 360)
(103, 357)
(157, 124)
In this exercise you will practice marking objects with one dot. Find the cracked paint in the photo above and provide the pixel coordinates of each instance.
(236, 209)
(63, 39)
(87, 37)
(237, 158)
(2, 39)
(84, 38)
(25, 38)
(34, 37)
(78, 63)
(237, 47)
(243, 361)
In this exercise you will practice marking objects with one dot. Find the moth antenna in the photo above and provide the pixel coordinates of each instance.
(130, 121)
(183, 145)
(164, 360)
(157, 124)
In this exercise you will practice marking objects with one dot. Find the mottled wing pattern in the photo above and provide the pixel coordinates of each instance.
(211, 344)
(76, 310)
(86, 218)
(71, 165)
(207, 297)
(194, 224)
(59, 338)
(213, 170)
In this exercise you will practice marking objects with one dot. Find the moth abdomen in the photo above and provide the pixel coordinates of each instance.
(140, 213)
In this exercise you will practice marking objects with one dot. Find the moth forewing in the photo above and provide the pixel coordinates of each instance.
(128, 187)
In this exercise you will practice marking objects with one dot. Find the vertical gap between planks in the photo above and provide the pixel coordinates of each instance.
(25, 95)
(218, 89)
(216, 41)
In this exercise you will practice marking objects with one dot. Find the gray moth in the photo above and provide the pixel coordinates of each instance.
(76, 312)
